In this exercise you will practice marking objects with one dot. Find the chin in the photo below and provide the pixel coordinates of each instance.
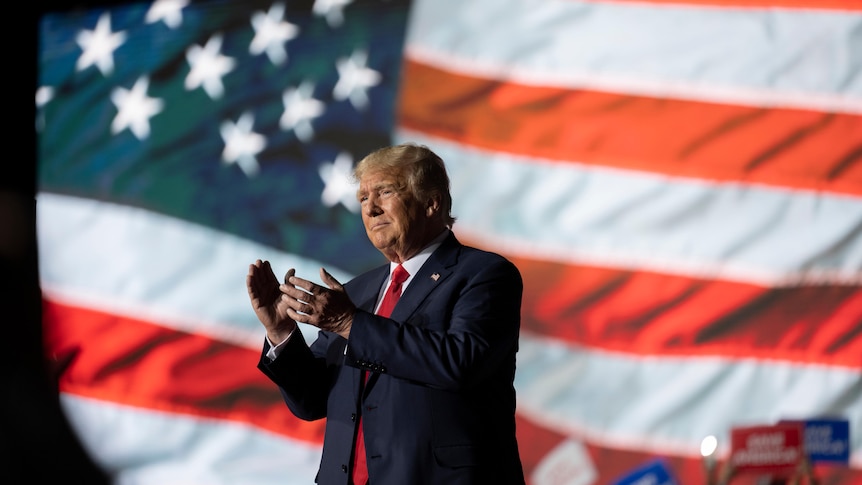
(381, 245)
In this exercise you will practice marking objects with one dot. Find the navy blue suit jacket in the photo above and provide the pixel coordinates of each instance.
(439, 405)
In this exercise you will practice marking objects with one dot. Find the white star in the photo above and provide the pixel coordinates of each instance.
(134, 109)
(168, 11)
(207, 67)
(299, 108)
(43, 95)
(354, 79)
(338, 185)
(270, 33)
(99, 45)
(241, 144)
(333, 10)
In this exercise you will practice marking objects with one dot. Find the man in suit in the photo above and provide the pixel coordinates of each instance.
(424, 395)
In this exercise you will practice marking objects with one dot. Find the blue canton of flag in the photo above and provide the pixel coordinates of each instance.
(242, 119)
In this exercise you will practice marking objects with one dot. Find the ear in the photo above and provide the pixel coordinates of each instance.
(433, 206)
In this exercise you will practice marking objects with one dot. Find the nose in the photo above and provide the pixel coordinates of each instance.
(370, 207)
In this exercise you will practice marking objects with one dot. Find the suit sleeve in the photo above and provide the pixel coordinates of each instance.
(304, 374)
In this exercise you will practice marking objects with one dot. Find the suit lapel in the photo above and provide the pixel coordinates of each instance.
(436, 269)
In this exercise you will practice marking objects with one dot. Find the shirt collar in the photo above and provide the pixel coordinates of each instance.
(413, 264)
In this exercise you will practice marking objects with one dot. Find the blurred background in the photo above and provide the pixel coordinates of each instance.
(679, 182)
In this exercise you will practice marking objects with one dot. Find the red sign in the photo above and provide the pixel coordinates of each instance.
(774, 449)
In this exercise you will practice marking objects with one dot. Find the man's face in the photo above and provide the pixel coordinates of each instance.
(394, 220)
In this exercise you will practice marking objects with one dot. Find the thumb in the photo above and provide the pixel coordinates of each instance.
(287, 275)
(330, 281)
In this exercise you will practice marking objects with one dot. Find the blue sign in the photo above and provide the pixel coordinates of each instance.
(827, 440)
(654, 472)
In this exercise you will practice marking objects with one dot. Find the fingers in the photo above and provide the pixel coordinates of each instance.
(295, 293)
(256, 284)
(302, 297)
(259, 268)
(288, 275)
(300, 310)
(252, 269)
(262, 285)
(309, 286)
(257, 272)
(252, 279)
(300, 317)
(329, 280)
(306, 285)
(308, 297)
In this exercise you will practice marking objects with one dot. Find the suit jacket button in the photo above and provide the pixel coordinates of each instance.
(353, 417)
(344, 468)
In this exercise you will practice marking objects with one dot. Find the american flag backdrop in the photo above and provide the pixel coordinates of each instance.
(679, 182)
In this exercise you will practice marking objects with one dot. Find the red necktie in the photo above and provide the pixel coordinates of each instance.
(360, 467)
(399, 276)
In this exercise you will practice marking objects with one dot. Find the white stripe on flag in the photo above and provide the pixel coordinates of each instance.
(133, 262)
(137, 446)
(580, 214)
(765, 57)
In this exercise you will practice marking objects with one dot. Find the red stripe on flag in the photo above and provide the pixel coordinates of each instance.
(783, 147)
(136, 363)
(659, 314)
